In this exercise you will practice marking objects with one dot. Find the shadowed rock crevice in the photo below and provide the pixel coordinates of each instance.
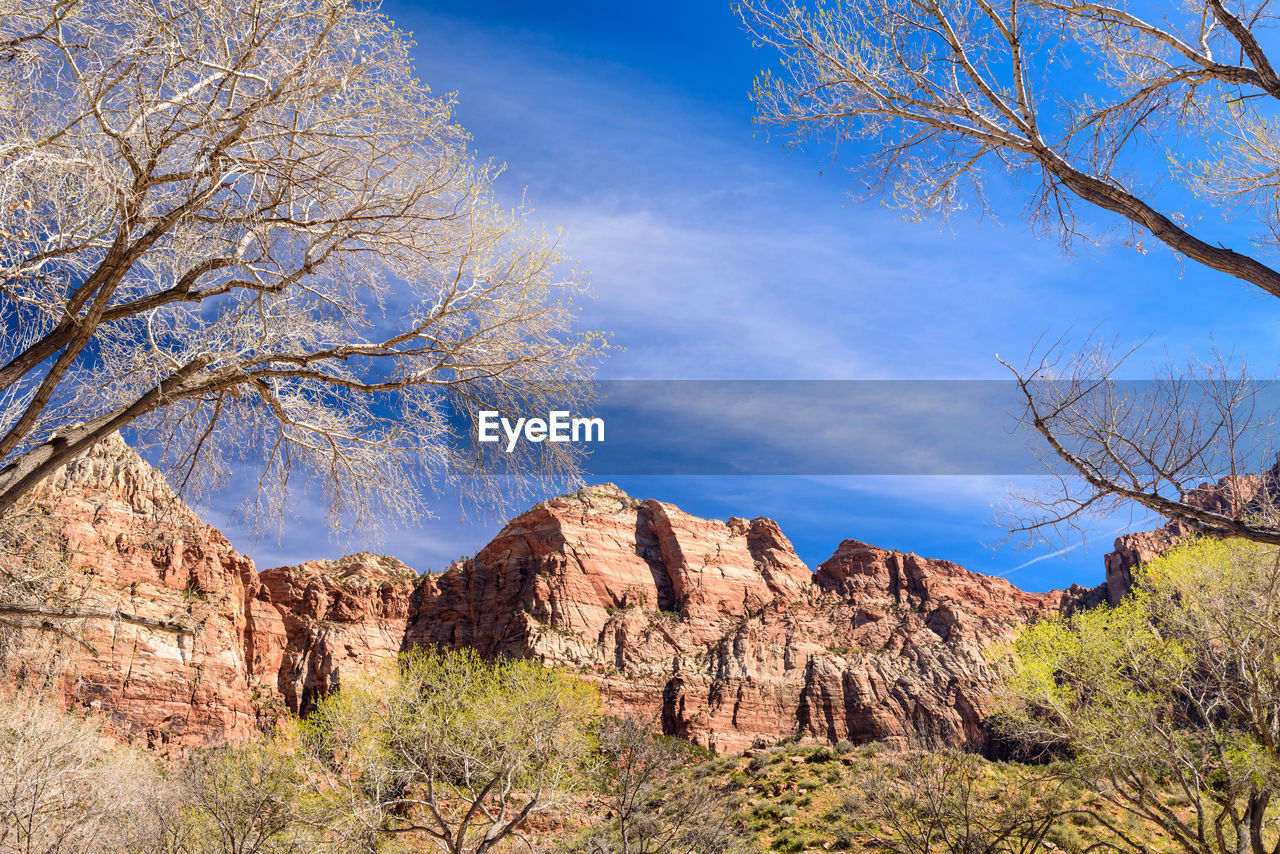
(650, 550)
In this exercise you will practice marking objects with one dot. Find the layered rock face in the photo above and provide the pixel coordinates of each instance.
(148, 557)
(718, 630)
(349, 614)
(715, 629)
(176, 637)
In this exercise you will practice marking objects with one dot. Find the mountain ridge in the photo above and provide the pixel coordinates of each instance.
(714, 628)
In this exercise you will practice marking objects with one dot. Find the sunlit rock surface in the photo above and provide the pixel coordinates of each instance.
(716, 630)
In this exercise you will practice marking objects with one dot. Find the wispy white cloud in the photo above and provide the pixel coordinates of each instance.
(718, 255)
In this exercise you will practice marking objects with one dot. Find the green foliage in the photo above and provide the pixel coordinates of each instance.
(1067, 837)
(454, 746)
(820, 755)
(1171, 697)
(248, 799)
(790, 840)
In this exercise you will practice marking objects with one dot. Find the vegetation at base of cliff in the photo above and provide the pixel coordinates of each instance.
(275, 797)
(1169, 702)
(1158, 711)
(451, 748)
(444, 751)
(870, 798)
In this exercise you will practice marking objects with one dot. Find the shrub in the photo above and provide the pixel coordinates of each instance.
(452, 744)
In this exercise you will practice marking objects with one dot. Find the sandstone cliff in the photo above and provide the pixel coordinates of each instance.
(188, 644)
(716, 629)
(719, 630)
(147, 555)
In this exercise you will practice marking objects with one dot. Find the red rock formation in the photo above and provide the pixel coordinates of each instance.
(349, 614)
(719, 629)
(716, 629)
(149, 556)
(202, 649)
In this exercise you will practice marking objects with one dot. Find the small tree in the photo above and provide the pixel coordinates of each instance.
(654, 805)
(940, 802)
(246, 800)
(452, 748)
(1170, 702)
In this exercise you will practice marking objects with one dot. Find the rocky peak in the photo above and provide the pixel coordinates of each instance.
(113, 472)
(715, 628)
(336, 616)
(720, 631)
(594, 498)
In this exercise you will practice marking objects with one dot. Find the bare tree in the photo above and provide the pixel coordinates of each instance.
(944, 88)
(655, 807)
(1192, 444)
(48, 599)
(249, 231)
(245, 800)
(941, 801)
(42, 608)
(1070, 94)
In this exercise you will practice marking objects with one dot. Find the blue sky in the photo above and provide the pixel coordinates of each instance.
(716, 253)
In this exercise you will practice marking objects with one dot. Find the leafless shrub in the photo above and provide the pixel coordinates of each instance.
(61, 790)
(246, 800)
(938, 802)
(653, 807)
(1192, 444)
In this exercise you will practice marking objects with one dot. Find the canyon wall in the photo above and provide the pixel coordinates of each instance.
(715, 629)
(173, 635)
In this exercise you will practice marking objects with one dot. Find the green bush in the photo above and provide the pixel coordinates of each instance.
(872, 748)
(790, 840)
(821, 754)
(1083, 819)
(1067, 837)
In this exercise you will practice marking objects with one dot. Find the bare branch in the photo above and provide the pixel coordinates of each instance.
(941, 88)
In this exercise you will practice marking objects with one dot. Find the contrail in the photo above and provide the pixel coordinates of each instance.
(1067, 549)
